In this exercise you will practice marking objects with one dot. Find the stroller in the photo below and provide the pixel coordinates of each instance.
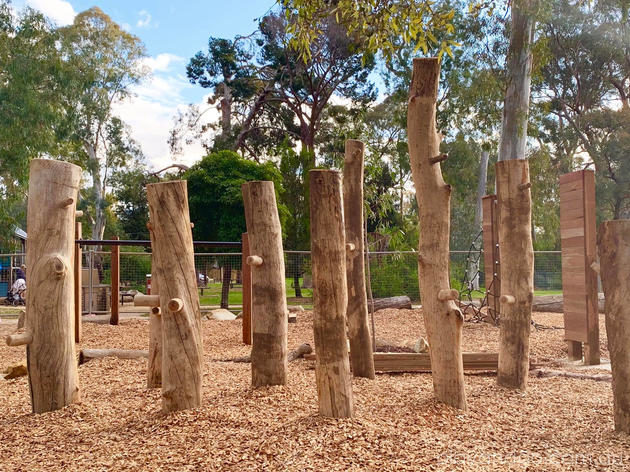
(16, 295)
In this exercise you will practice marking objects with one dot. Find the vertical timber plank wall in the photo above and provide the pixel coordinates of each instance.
(247, 292)
(579, 281)
(491, 256)
(115, 277)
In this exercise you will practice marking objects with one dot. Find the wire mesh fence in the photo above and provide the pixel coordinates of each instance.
(219, 276)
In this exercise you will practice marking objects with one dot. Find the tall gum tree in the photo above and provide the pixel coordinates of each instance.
(514, 201)
(102, 62)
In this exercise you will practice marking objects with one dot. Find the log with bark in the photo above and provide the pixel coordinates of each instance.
(300, 352)
(328, 253)
(357, 311)
(182, 348)
(443, 319)
(613, 242)
(49, 322)
(86, 355)
(269, 301)
(402, 302)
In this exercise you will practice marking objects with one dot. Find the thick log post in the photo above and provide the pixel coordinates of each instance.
(154, 363)
(613, 241)
(51, 358)
(442, 319)
(115, 276)
(247, 292)
(330, 296)
(357, 313)
(517, 271)
(182, 349)
(78, 261)
(269, 302)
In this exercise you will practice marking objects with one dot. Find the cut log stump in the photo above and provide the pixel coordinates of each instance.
(182, 349)
(328, 253)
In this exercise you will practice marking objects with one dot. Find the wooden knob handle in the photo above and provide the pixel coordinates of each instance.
(156, 310)
(254, 260)
(176, 305)
(146, 300)
(67, 202)
(350, 247)
(78, 214)
(19, 339)
(507, 299)
(448, 294)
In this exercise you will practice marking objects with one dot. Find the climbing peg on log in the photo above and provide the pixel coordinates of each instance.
(146, 300)
(525, 186)
(149, 226)
(438, 158)
(595, 266)
(20, 339)
(192, 225)
(448, 294)
(67, 202)
(507, 299)
(254, 261)
(350, 247)
(78, 214)
(175, 305)
(156, 311)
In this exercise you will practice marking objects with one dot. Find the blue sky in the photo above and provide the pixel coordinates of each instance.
(172, 32)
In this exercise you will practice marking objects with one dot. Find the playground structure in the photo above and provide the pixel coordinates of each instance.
(175, 347)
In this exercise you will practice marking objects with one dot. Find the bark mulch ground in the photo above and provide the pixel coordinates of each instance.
(558, 424)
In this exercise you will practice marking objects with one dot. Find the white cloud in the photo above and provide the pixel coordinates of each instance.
(162, 62)
(151, 111)
(60, 11)
(145, 20)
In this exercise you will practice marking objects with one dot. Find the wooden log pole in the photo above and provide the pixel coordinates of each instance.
(182, 349)
(269, 301)
(114, 318)
(77, 264)
(247, 292)
(517, 272)
(51, 358)
(613, 241)
(330, 297)
(442, 318)
(154, 363)
(357, 312)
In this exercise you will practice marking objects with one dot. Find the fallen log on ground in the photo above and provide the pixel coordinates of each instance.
(302, 351)
(421, 362)
(545, 373)
(391, 302)
(555, 303)
(87, 355)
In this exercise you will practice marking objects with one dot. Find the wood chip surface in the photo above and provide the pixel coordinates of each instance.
(559, 424)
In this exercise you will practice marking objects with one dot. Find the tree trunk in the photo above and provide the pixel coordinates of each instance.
(517, 272)
(49, 324)
(442, 318)
(514, 204)
(226, 111)
(269, 299)
(154, 364)
(613, 241)
(182, 348)
(99, 211)
(330, 297)
(357, 312)
(225, 285)
(473, 268)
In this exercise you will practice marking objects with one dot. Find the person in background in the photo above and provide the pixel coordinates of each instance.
(21, 272)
